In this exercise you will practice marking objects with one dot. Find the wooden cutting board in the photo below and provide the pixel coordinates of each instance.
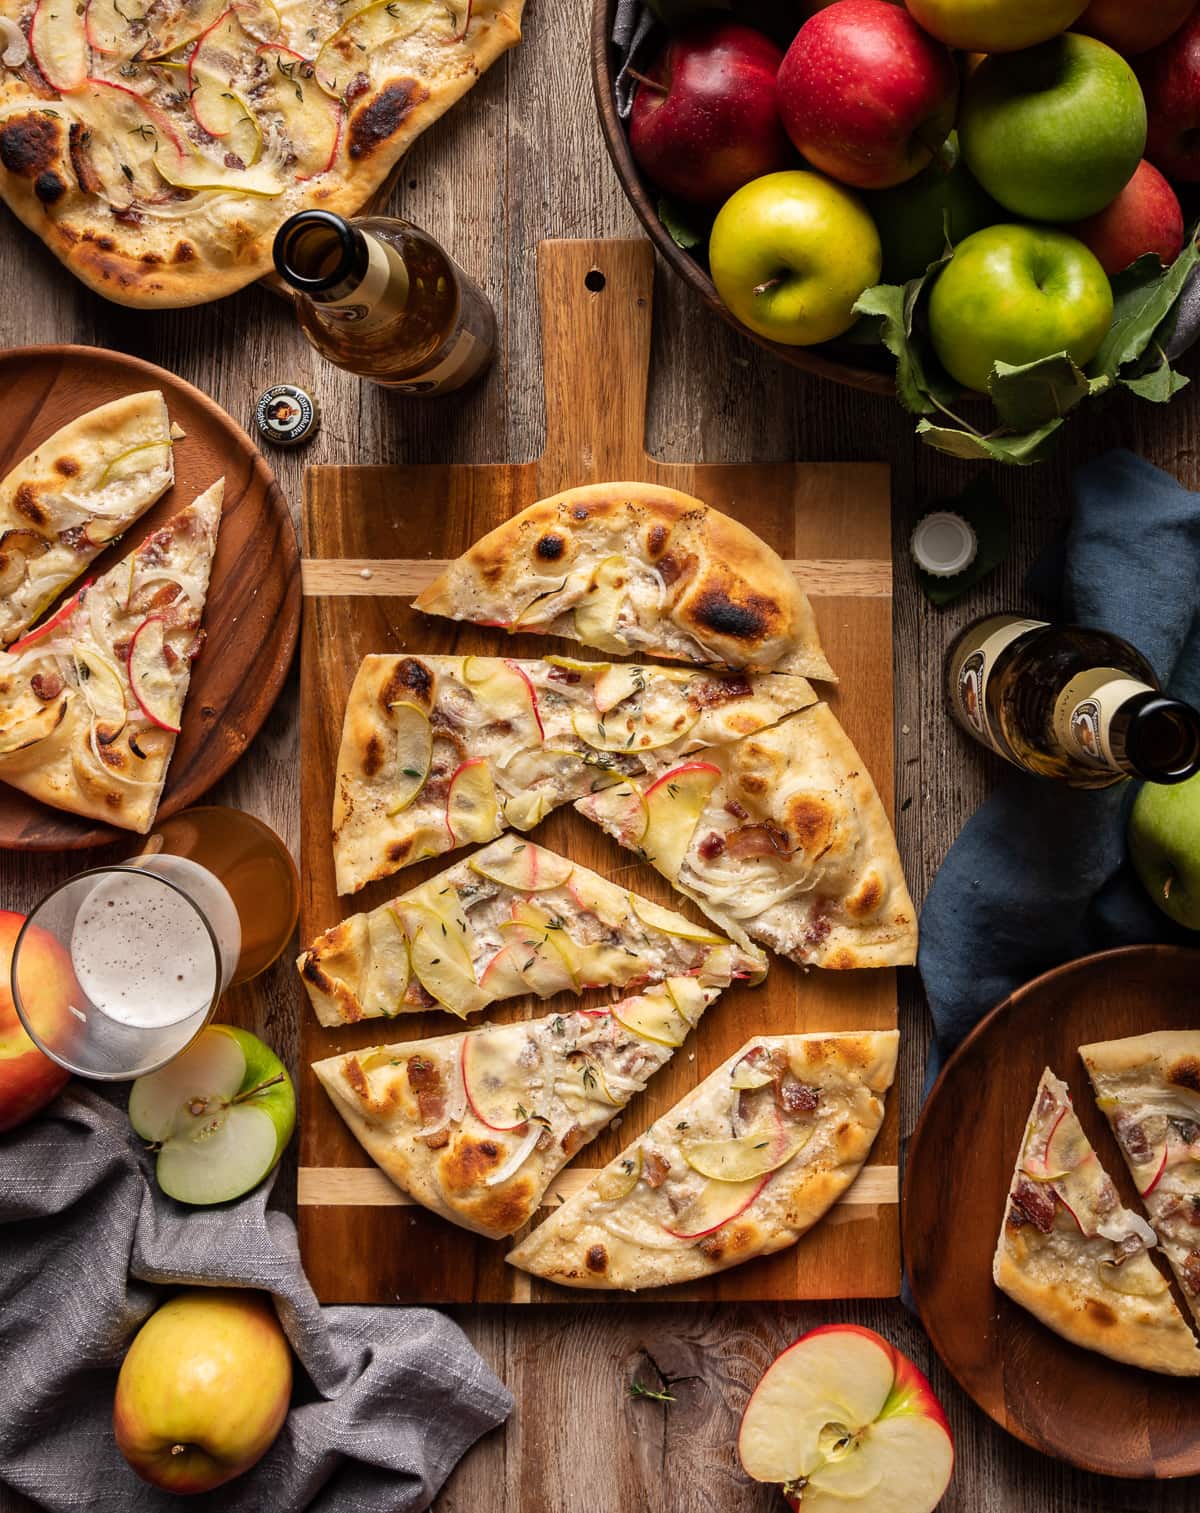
(372, 538)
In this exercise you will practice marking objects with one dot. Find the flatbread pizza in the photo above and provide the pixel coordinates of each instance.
(1148, 1086)
(73, 496)
(780, 838)
(1075, 1258)
(91, 701)
(514, 919)
(636, 569)
(157, 149)
(477, 1125)
(741, 1167)
(439, 752)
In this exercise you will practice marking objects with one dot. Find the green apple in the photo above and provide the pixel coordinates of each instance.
(220, 1114)
(1164, 846)
(790, 253)
(1054, 133)
(1016, 294)
(203, 1390)
(914, 219)
(995, 26)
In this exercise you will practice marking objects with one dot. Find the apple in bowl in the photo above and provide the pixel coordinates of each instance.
(844, 1421)
(28, 1078)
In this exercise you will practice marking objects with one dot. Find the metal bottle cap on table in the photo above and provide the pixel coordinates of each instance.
(286, 415)
(943, 544)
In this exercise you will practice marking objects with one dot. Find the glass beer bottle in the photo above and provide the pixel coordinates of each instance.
(380, 298)
(1068, 702)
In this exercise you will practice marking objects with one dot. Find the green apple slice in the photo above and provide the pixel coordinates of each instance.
(502, 689)
(653, 1016)
(619, 1180)
(143, 458)
(746, 1076)
(714, 1206)
(192, 171)
(378, 26)
(436, 906)
(597, 614)
(388, 965)
(1137, 1277)
(525, 811)
(634, 733)
(616, 684)
(443, 975)
(472, 809)
(221, 1114)
(542, 967)
(573, 664)
(659, 918)
(102, 688)
(674, 804)
(688, 997)
(523, 866)
(414, 753)
(748, 1156)
(58, 42)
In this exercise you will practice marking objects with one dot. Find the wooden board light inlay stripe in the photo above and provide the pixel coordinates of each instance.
(823, 578)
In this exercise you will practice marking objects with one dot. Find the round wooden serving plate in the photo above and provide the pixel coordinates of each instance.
(252, 616)
(1062, 1400)
(831, 360)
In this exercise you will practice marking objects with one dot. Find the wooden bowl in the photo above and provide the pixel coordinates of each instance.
(841, 362)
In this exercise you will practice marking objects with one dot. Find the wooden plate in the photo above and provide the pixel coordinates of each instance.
(252, 617)
(1062, 1400)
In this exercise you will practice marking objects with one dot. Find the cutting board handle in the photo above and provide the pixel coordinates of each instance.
(596, 302)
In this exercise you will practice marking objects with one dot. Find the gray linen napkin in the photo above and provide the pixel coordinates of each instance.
(386, 1399)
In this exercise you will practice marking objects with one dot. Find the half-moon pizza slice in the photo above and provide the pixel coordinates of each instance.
(439, 752)
(636, 568)
(743, 1166)
(513, 919)
(477, 1125)
(780, 838)
(90, 702)
(1149, 1088)
(74, 495)
(1075, 1258)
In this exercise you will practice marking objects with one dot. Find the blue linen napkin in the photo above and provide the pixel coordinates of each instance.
(1039, 874)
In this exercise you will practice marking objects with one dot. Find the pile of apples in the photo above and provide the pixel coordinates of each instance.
(1037, 139)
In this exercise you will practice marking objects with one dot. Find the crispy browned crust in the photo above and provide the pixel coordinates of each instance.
(727, 588)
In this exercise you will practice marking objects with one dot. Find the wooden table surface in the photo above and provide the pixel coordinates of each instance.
(520, 159)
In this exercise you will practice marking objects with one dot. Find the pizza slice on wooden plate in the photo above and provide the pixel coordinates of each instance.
(1148, 1086)
(441, 751)
(780, 838)
(90, 701)
(636, 568)
(1075, 1258)
(513, 919)
(741, 1167)
(477, 1125)
(75, 494)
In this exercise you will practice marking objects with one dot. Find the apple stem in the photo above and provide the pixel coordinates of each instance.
(648, 83)
(262, 1086)
(768, 284)
(178, 1449)
(1167, 888)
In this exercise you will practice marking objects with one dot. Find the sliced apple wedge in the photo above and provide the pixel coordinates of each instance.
(491, 1076)
(525, 867)
(659, 918)
(472, 809)
(598, 613)
(443, 975)
(503, 689)
(615, 1183)
(58, 42)
(198, 173)
(749, 1074)
(748, 1156)
(689, 998)
(135, 460)
(388, 965)
(525, 811)
(635, 731)
(716, 1204)
(674, 804)
(379, 25)
(414, 753)
(502, 977)
(211, 68)
(437, 909)
(617, 683)
(543, 968)
(105, 28)
(622, 811)
(653, 1016)
(155, 690)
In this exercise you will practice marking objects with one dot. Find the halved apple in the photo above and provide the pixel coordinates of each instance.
(653, 1016)
(58, 42)
(674, 804)
(619, 1180)
(414, 753)
(599, 611)
(748, 1156)
(156, 691)
(524, 866)
(472, 809)
(388, 965)
(670, 923)
(842, 1417)
(492, 1077)
(442, 974)
(378, 26)
(715, 1205)
(618, 682)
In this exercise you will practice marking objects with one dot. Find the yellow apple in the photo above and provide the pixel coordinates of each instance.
(29, 1079)
(995, 26)
(203, 1389)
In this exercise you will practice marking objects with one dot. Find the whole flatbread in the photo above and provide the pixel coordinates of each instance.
(636, 568)
(826, 1088)
(73, 732)
(1046, 1263)
(792, 849)
(66, 501)
(556, 1082)
(115, 165)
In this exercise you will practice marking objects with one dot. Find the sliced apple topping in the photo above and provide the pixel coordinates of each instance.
(598, 613)
(414, 753)
(1066, 1146)
(674, 805)
(622, 811)
(523, 866)
(543, 968)
(472, 809)
(749, 1074)
(198, 173)
(388, 965)
(653, 1016)
(502, 977)
(503, 689)
(748, 1156)
(492, 1076)
(635, 731)
(616, 684)
(314, 123)
(154, 687)
(670, 923)
(102, 688)
(58, 41)
(619, 1180)
(716, 1204)
(377, 26)
(689, 998)
(1137, 1277)
(525, 811)
(443, 975)
(104, 26)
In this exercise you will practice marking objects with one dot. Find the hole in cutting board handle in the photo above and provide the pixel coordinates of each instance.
(595, 280)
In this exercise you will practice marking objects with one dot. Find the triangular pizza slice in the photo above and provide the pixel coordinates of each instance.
(477, 1125)
(512, 919)
(741, 1167)
(1075, 1258)
(780, 838)
(634, 568)
(66, 501)
(91, 701)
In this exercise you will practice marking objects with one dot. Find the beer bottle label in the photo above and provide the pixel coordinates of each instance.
(1084, 710)
(380, 297)
(972, 666)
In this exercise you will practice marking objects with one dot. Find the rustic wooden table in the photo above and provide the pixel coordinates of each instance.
(519, 160)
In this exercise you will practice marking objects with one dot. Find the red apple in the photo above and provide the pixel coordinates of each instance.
(29, 1079)
(1144, 217)
(843, 1419)
(1170, 79)
(866, 95)
(1130, 28)
(704, 120)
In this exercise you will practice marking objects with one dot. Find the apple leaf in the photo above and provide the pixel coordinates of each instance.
(970, 446)
(920, 384)
(687, 227)
(1144, 296)
(981, 507)
(1029, 395)
(1160, 384)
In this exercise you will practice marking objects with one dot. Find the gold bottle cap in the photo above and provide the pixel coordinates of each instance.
(943, 544)
(286, 415)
